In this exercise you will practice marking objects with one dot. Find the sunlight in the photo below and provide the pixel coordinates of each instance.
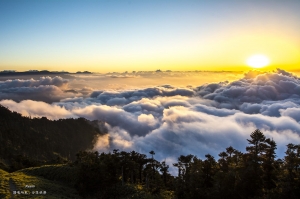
(258, 61)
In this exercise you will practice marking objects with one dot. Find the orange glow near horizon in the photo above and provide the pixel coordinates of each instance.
(216, 52)
(228, 54)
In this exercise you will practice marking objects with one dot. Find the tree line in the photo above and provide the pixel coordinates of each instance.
(257, 173)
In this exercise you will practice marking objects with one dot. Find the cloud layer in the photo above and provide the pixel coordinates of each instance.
(175, 121)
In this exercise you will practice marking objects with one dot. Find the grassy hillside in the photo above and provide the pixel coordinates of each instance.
(18, 180)
(4, 184)
(61, 172)
(58, 182)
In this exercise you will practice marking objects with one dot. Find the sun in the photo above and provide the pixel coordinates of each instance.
(258, 61)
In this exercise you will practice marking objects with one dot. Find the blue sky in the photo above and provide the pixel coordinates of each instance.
(121, 35)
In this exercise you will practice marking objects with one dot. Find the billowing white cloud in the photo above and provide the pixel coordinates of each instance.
(38, 109)
(292, 113)
(16, 83)
(267, 86)
(113, 98)
(47, 89)
(147, 119)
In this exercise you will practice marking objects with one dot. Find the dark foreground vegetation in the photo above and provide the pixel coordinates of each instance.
(254, 174)
(257, 173)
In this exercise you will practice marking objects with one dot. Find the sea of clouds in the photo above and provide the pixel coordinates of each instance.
(171, 120)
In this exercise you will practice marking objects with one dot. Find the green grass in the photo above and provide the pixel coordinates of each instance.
(4, 185)
(55, 188)
(61, 172)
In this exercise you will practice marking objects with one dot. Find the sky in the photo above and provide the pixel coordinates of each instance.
(106, 36)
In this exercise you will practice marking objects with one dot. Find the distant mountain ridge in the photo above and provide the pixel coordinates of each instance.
(42, 72)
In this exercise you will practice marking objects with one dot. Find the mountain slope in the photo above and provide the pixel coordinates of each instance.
(25, 141)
